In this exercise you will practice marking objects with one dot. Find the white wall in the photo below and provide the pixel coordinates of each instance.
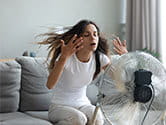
(22, 20)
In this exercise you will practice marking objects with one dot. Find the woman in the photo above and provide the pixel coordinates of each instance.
(78, 55)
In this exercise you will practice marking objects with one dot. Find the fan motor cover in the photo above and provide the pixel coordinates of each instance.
(142, 77)
(142, 92)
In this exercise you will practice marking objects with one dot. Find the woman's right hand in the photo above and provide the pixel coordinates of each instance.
(71, 47)
(67, 50)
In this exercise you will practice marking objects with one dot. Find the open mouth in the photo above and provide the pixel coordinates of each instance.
(93, 44)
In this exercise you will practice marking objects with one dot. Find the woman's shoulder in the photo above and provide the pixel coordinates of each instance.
(102, 55)
(104, 59)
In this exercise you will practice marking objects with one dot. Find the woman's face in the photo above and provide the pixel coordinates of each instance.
(90, 38)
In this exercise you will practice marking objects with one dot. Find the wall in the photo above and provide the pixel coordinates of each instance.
(22, 20)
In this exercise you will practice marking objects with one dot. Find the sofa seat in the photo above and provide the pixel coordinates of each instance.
(18, 118)
(38, 114)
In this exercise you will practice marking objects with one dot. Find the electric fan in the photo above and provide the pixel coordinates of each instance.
(132, 90)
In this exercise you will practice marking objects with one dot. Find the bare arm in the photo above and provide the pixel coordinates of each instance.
(66, 51)
(56, 72)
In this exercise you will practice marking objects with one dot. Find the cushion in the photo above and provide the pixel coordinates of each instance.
(10, 77)
(92, 93)
(38, 114)
(35, 96)
(18, 118)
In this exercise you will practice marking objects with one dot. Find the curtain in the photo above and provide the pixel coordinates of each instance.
(142, 26)
(163, 32)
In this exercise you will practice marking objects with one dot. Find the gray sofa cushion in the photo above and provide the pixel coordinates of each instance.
(34, 93)
(18, 118)
(38, 114)
(10, 75)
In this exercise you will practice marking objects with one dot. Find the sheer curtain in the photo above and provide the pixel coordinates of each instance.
(142, 25)
(163, 31)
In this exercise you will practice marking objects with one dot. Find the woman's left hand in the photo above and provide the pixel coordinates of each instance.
(120, 47)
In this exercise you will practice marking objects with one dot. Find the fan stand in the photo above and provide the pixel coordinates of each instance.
(94, 116)
(163, 118)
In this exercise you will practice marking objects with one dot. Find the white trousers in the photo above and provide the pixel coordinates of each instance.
(66, 115)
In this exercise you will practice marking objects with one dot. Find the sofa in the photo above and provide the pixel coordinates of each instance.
(24, 97)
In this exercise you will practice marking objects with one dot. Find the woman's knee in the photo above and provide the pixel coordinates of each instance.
(73, 120)
(79, 119)
(71, 117)
(89, 111)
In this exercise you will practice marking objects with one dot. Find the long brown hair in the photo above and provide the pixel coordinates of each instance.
(53, 40)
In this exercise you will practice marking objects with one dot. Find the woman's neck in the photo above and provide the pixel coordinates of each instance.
(84, 56)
